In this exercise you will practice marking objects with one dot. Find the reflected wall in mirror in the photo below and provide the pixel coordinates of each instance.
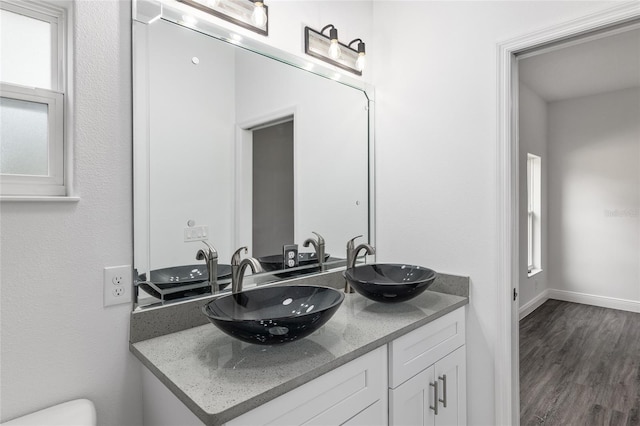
(239, 149)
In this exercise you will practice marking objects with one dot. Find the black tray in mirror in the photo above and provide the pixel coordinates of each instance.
(169, 277)
(182, 281)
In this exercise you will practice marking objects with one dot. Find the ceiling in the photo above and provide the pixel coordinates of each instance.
(588, 68)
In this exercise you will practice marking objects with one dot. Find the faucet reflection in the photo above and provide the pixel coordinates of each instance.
(238, 267)
(210, 256)
(318, 245)
(352, 255)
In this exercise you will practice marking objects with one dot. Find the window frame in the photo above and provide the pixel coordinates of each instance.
(57, 184)
(534, 220)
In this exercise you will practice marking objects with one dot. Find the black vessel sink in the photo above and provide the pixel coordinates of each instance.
(274, 315)
(389, 283)
(275, 262)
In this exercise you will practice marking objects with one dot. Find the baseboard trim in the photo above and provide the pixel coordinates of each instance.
(592, 299)
(533, 304)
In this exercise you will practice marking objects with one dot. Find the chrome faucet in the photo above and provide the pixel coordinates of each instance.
(210, 256)
(352, 255)
(318, 246)
(238, 267)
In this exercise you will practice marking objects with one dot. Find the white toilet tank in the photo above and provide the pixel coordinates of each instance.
(80, 412)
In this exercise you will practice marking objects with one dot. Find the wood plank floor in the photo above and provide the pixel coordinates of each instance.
(579, 365)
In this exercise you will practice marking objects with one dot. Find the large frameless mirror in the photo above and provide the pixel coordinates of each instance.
(238, 145)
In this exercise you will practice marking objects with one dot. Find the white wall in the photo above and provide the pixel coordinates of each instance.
(435, 74)
(57, 340)
(594, 195)
(533, 140)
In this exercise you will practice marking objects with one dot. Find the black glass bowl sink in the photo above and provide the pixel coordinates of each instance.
(274, 315)
(275, 262)
(389, 283)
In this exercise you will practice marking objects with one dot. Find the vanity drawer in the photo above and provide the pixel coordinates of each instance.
(415, 351)
(335, 398)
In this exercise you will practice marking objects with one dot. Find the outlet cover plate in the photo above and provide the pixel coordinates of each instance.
(290, 256)
(117, 285)
(196, 233)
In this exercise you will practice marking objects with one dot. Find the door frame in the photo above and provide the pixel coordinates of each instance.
(242, 173)
(506, 360)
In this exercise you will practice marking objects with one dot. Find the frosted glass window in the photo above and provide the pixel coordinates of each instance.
(25, 43)
(24, 137)
(34, 39)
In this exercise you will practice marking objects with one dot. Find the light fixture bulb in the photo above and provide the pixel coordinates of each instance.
(361, 61)
(259, 15)
(334, 49)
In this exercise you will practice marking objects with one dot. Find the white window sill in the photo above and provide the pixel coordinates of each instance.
(30, 198)
(533, 272)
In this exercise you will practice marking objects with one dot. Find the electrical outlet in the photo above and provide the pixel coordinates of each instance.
(117, 285)
(290, 256)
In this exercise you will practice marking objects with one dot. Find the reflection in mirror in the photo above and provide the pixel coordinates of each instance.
(272, 188)
(238, 149)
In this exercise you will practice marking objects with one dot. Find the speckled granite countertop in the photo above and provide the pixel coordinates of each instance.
(220, 378)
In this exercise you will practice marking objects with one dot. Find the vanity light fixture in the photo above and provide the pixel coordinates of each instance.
(329, 49)
(250, 14)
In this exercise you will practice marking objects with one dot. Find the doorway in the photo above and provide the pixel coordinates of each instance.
(506, 360)
(273, 218)
(579, 157)
(579, 108)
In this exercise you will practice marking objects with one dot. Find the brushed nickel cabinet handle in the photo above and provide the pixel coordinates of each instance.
(435, 397)
(444, 390)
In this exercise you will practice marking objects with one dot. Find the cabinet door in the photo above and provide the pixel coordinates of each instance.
(413, 402)
(410, 403)
(334, 398)
(422, 347)
(450, 372)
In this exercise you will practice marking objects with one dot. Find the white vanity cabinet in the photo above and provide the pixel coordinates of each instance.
(394, 384)
(427, 374)
(354, 394)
